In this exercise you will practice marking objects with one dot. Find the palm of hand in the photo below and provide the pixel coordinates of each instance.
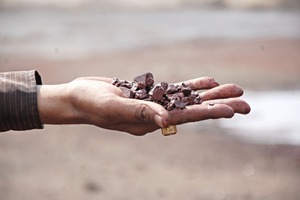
(104, 105)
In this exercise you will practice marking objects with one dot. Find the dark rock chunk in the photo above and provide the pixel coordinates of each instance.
(144, 80)
(186, 91)
(172, 89)
(164, 85)
(157, 92)
(127, 91)
(141, 94)
(180, 104)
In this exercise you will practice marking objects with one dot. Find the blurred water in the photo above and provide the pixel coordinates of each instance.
(274, 118)
(75, 33)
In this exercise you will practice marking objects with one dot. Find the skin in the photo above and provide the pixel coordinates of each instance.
(93, 100)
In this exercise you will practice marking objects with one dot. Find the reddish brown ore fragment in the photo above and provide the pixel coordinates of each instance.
(149, 79)
(134, 86)
(157, 92)
(184, 85)
(164, 85)
(127, 85)
(172, 89)
(144, 80)
(170, 105)
(115, 81)
(141, 94)
(170, 96)
(198, 100)
(180, 104)
(128, 93)
(141, 81)
(180, 95)
(186, 91)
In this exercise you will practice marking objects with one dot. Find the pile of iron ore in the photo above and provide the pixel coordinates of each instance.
(170, 96)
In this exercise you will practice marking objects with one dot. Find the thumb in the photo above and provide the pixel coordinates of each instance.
(138, 111)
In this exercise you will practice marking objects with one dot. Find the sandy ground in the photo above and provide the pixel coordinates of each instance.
(201, 162)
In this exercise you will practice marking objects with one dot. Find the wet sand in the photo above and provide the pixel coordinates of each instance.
(201, 162)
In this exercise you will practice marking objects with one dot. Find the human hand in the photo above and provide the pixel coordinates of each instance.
(93, 100)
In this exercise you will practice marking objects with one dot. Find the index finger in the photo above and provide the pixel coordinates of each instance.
(96, 78)
(201, 83)
(222, 92)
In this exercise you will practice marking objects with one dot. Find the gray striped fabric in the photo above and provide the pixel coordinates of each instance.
(18, 100)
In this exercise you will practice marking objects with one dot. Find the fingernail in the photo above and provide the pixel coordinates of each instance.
(158, 120)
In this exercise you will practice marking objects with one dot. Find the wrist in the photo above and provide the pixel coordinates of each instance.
(54, 105)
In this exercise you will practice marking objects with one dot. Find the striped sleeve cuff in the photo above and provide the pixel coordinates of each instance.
(18, 101)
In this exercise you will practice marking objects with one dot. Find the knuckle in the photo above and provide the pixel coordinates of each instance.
(209, 111)
(142, 113)
(212, 112)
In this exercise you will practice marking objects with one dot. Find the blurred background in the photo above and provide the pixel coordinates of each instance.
(255, 44)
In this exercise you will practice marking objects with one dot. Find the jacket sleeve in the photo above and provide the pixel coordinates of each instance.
(18, 100)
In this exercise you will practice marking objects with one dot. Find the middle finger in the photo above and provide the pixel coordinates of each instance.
(222, 92)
